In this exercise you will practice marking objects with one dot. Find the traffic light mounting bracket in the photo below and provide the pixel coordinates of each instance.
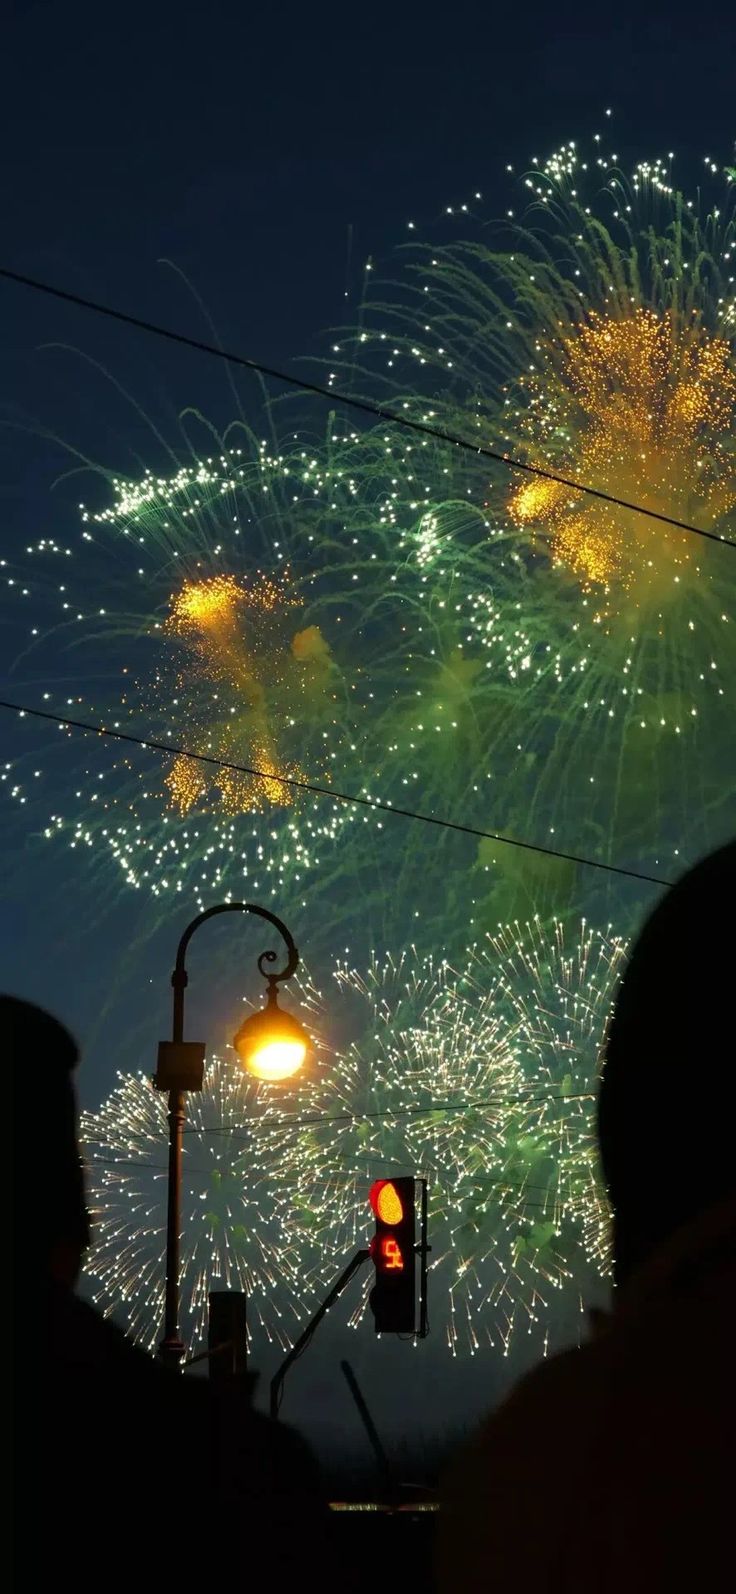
(277, 1382)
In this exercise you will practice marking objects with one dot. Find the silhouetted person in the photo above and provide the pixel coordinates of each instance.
(128, 1476)
(611, 1468)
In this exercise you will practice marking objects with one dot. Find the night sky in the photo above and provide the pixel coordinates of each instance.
(265, 152)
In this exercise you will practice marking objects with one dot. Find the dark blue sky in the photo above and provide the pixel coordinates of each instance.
(242, 143)
(254, 147)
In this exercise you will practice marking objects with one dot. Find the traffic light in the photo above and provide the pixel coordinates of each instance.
(393, 1297)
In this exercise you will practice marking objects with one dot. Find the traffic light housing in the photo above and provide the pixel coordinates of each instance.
(393, 1252)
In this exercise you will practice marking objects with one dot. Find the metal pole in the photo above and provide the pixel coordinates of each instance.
(372, 1432)
(277, 1382)
(172, 1348)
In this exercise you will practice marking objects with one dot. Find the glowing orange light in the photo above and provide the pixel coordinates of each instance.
(386, 1201)
(390, 1254)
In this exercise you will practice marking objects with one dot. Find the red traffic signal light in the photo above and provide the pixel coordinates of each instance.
(385, 1199)
(393, 1297)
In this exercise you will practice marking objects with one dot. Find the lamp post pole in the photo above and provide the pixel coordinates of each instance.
(181, 1068)
(172, 1346)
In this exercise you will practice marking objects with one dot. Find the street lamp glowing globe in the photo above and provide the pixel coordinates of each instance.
(271, 1045)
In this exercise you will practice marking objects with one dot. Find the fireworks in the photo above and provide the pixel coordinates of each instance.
(371, 657)
(559, 997)
(383, 613)
(483, 1082)
(229, 659)
(596, 342)
(643, 408)
(240, 1224)
(227, 628)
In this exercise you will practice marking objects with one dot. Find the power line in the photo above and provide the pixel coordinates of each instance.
(289, 1122)
(286, 1122)
(364, 405)
(204, 1173)
(327, 791)
(292, 1122)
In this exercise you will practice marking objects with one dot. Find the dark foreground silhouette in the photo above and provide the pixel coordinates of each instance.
(127, 1476)
(611, 1468)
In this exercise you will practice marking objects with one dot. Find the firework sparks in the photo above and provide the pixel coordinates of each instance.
(483, 1082)
(235, 663)
(641, 408)
(558, 995)
(595, 341)
(387, 668)
(233, 634)
(523, 659)
(240, 1228)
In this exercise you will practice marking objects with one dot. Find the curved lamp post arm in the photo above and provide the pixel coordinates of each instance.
(172, 1348)
(179, 978)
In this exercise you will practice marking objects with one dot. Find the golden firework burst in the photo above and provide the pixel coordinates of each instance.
(235, 643)
(639, 407)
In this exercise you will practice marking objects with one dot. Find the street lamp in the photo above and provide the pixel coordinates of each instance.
(271, 1045)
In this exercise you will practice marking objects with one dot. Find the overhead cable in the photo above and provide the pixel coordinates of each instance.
(63, 720)
(378, 411)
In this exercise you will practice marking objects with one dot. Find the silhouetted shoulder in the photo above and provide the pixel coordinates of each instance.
(608, 1468)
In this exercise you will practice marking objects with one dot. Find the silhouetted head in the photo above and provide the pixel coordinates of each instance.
(49, 1212)
(666, 1110)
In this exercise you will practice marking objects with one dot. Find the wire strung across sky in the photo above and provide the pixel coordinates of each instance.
(295, 1122)
(289, 1122)
(206, 1173)
(402, 1112)
(63, 720)
(292, 1122)
(335, 397)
